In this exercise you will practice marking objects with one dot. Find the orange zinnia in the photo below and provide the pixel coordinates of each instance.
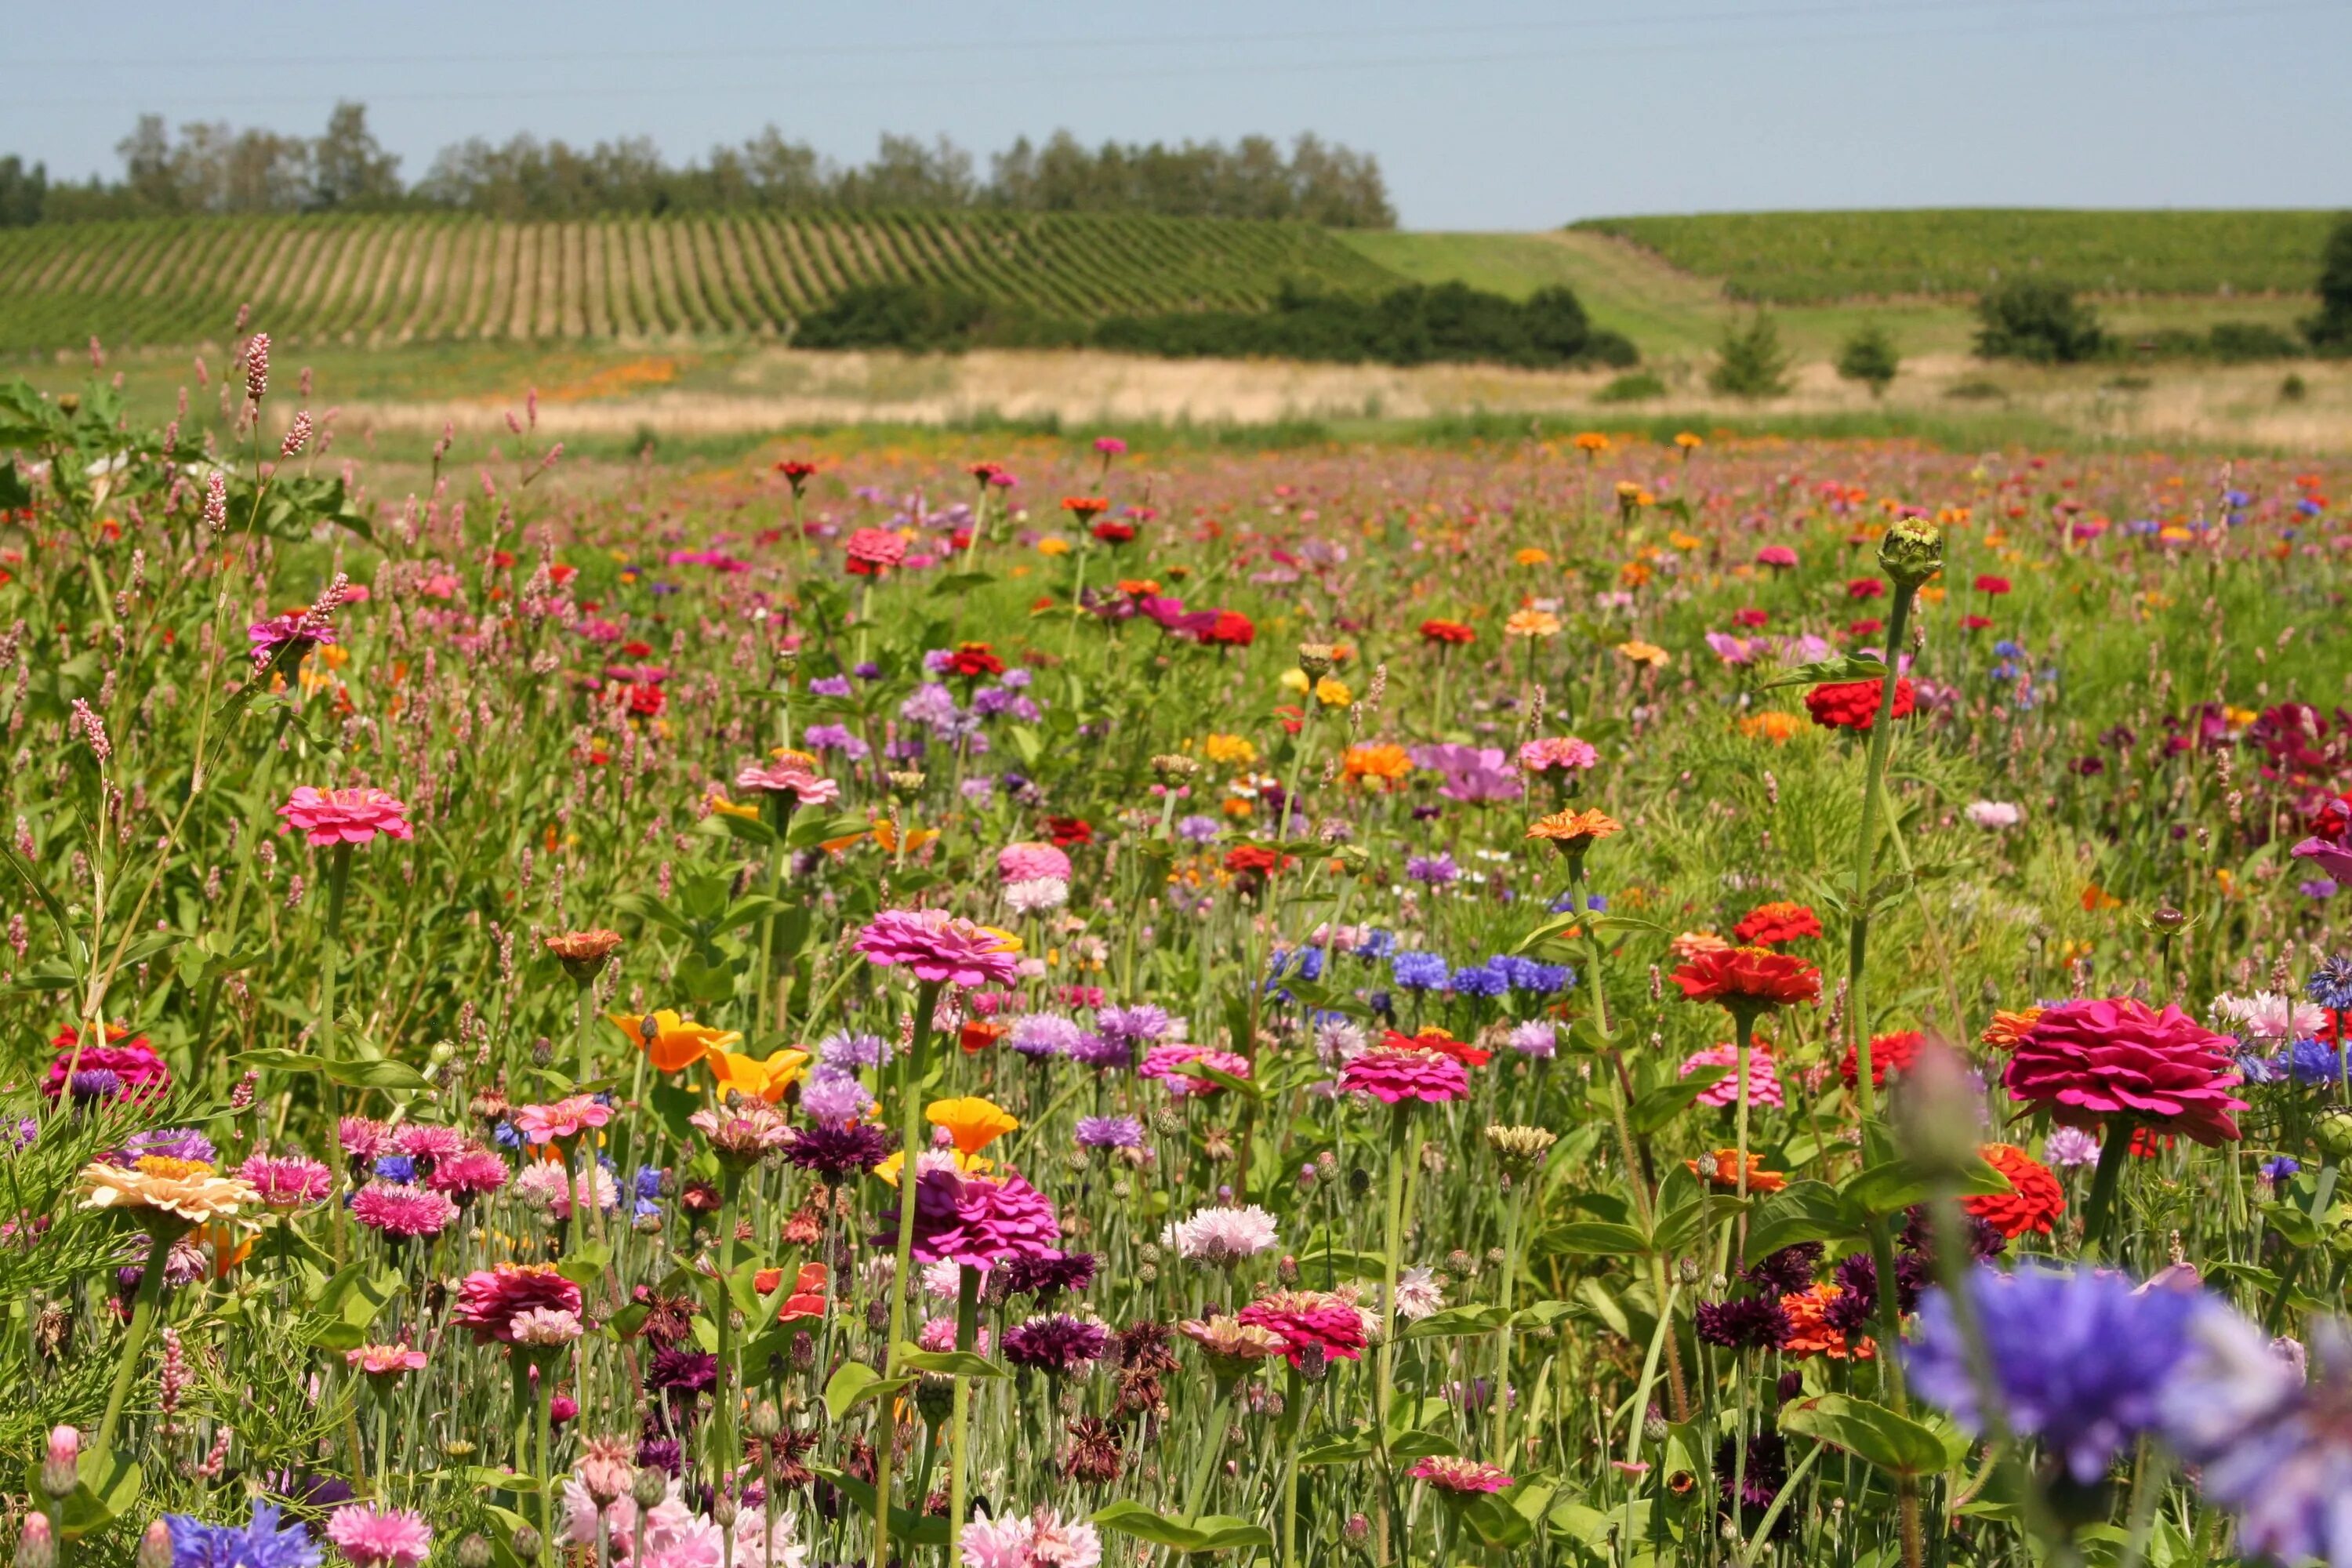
(1381, 762)
(1810, 1332)
(1722, 1169)
(1774, 727)
(2007, 1028)
(1575, 827)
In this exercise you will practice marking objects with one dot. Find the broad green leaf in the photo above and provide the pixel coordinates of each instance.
(382, 1073)
(1593, 1238)
(1212, 1532)
(915, 1529)
(1455, 1322)
(1652, 1110)
(1851, 667)
(856, 1384)
(1894, 1443)
(1801, 1212)
(1350, 1449)
(950, 1363)
(1895, 1184)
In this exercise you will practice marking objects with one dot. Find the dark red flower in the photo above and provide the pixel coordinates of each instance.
(1769, 925)
(1112, 532)
(1230, 629)
(1750, 978)
(1865, 588)
(1446, 634)
(974, 659)
(1066, 831)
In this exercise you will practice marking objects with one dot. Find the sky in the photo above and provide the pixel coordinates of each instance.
(1485, 114)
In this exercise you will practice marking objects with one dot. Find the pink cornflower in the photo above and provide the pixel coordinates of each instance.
(1044, 1539)
(401, 1209)
(1392, 1077)
(361, 1138)
(940, 947)
(1565, 753)
(345, 816)
(287, 1181)
(1449, 1474)
(1029, 862)
(420, 1142)
(372, 1537)
(468, 1174)
(1163, 1062)
(566, 1118)
(1763, 1080)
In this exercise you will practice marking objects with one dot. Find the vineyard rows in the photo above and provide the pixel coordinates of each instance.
(402, 277)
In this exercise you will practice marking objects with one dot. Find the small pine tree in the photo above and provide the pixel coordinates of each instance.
(1750, 362)
(1871, 357)
(2330, 331)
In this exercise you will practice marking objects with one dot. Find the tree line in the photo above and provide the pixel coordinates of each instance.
(211, 167)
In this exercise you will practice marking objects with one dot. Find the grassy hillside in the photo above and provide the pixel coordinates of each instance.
(1811, 257)
(430, 278)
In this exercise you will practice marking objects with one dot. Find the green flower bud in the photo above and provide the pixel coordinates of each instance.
(1911, 551)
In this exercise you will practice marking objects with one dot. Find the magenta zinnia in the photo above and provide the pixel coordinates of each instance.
(1449, 1474)
(1394, 1077)
(490, 1299)
(345, 816)
(2088, 1061)
(976, 1220)
(940, 947)
(1308, 1319)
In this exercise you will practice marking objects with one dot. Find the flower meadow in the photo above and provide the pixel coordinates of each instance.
(1587, 1002)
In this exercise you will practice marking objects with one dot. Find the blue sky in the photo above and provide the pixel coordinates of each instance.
(1485, 114)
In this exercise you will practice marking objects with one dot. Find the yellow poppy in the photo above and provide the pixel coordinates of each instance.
(969, 1165)
(974, 1123)
(719, 803)
(759, 1079)
(671, 1043)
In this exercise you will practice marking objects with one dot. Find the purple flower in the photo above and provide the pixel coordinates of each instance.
(829, 686)
(1197, 829)
(1472, 774)
(834, 1099)
(853, 1053)
(1038, 1035)
(975, 1221)
(1055, 1342)
(1110, 1132)
(834, 738)
(838, 1151)
(1043, 1277)
(2275, 1447)
(2081, 1357)
(1141, 1024)
(1100, 1053)
(1744, 1323)
(258, 1543)
(1436, 870)
(172, 1143)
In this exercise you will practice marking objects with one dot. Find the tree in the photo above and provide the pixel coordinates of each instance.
(2330, 331)
(2037, 321)
(23, 191)
(1750, 362)
(1870, 357)
(349, 168)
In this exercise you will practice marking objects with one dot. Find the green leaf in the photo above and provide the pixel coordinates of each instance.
(950, 1363)
(585, 1265)
(1593, 1238)
(1350, 1449)
(106, 1488)
(382, 1073)
(916, 1529)
(856, 1384)
(2292, 1222)
(1652, 1110)
(808, 831)
(1851, 667)
(1211, 1533)
(1455, 1322)
(1801, 1212)
(1870, 1431)
(1243, 1087)
(729, 825)
(1892, 1185)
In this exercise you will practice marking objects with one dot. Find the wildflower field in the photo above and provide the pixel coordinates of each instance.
(1725, 1001)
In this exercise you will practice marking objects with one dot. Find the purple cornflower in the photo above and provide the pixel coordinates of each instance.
(1141, 1024)
(2081, 1357)
(838, 1151)
(1100, 1053)
(1197, 829)
(834, 738)
(1038, 1035)
(1538, 1039)
(853, 1053)
(2275, 1446)
(829, 686)
(834, 1099)
(172, 1143)
(1436, 870)
(1110, 1132)
(1055, 1342)
(2068, 1147)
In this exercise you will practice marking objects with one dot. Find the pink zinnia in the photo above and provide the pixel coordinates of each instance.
(1390, 1077)
(1763, 1080)
(345, 816)
(940, 947)
(371, 1537)
(566, 1118)
(877, 547)
(143, 1073)
(1163, 1062)
(1563, 751)
(287, 1181)
(489, 1299)
(1776, 555)
(385, 1361)
(976, 1220)
(1449, 1474)
(2088, 1061)
(790, 778)
(402, 1209)
(1028, 862)
(468, 1174)
(1309, 1319)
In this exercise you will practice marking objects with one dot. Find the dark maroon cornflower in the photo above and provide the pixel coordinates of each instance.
(1096, 1453)
(1985, 1239)
(1744, 1323)
(1046, 1276)
(668, 1319)
(1857, 1302)
(1056, 1343)
(1785, 1272)
(835, 1152)
(1766, 1471)
(659, 1454)
(1143, 1348)
(683, 1371)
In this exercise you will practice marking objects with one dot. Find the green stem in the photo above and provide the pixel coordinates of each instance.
(1865, 854)
(1501, 1394)
(2098, 1208)
(967, 1337)
(134, 1340)
(1391, 1248)
(1196, 1495)
(910, 1125)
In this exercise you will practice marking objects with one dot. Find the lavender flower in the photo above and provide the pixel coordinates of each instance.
(1110, 1132)
(2276, 1450)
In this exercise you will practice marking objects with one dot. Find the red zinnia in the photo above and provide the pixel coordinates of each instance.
(797, 472)
(1865, 588)
(1446, 633)
(1988, 584)
(1111, 532)
(974, 659)
(1066, 831)
(1305, 1317)
(1754, 979)
(1894, 1052)
(1230, 629)
(1854, 704)
(2034, 1200)
(1769, 925)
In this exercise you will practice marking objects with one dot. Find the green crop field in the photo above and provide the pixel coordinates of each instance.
(1796, 257)
(427, 278)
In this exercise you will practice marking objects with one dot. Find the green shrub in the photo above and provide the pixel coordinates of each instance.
(1976, 389)
(2330, 331)
(2039, 321)
(1870, 357)
(1450, 323)
(925, 318)
(1638, 387)
(1751, 362)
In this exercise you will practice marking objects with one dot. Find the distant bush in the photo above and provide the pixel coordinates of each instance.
(1977, 390)
(2039, 321)
(1870, 357)
(1750, 362)
(2330, 331)
(2226, 343)
(1638, 387)
(1451, 323)
(925, 318)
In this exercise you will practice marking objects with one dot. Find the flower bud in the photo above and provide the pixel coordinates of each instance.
(1315, 660)
(58, 1474)
(1911, 551)
(474, 1551)
(525, 1542)
(650, 1486)
(1174, 768)
(766, 1420)
(156, 1546)
(36, 1548)
(2332, 1130)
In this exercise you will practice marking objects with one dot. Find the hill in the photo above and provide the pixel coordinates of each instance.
(428, 276)
(1798, 258)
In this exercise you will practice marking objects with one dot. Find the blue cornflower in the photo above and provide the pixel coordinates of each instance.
(1376, 945)
(2330, 985)
(853, 1053)
(257, 1543)
(395, 1167)
(1480, 981)
(2282, 1169)
(2307, 1062)
(1310, 964)
(1110, 1132)
(2081, 1357)
(2272, 1447)
(2008, 648)
(1419, 971)
(504, 1135)
(1436, 870)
